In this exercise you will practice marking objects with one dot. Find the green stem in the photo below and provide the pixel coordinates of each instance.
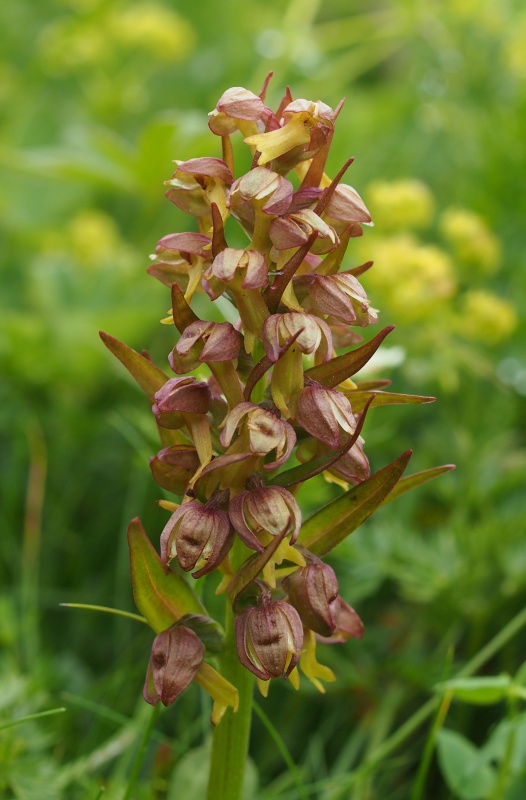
(225, 374)
(231, 737)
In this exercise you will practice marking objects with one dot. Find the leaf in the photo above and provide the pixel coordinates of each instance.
(162, 596)
(358, 399)
(496, 748)
(149, 377)
(252, 567)
(484, 691)
(335, 521)
(464, 767)
(273, 293)
(334, 372)
(182, 313)
(417, 479)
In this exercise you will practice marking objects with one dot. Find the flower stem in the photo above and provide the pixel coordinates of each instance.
(230, 742)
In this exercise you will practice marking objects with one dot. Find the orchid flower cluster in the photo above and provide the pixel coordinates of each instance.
(275, 392)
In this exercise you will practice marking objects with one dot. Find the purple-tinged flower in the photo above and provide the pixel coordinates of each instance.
(304, 128)
(266, 509)
(295, 229)
(341, 296)
(179, 396)
(175, 246)
(246, 269)
(199, 535)
(204, 342)
(353, 467)
(326, 414)
(342, 335)
(235, 106)
(260, 431)
(264, 189)
(269, 638)
(314, 335)
(313, 591)
(177, 655)
(346, 206)
(174, 467)
(182, 254)
(348, 625)
(198, 183)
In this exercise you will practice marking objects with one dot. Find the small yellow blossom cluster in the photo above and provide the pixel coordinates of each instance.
(437, 288)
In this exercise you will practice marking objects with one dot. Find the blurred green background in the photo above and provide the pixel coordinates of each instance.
(97, 98)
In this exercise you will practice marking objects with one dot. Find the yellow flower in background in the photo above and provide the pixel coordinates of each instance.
(91, 241)
(94, 238)
(92, 37)
(68, 44)
(486, 317)
(514, 51)
(413, 279)
(404, 204)
(471, 240)
(157, 30)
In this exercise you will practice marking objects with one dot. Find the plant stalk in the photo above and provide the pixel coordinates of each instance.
(231, 737)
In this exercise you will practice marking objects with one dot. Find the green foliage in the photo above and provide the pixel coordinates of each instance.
(88, 131)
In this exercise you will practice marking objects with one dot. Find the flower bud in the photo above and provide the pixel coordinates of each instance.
(175, 246)
(174, 467)
(342, 335)
(261, 431)
(269, 638)
(263, 189)
(204, 342)
(266, 509)
(198, 183)
(234, 105)
(341, 296)
(313, 591)
(178, 396)
(314, 336)
(177, 654)
(346, 206)
(181, 254)
(348, 625)
(248, 267)
(326, 414)
(294, 229)
(199, 535)
(353, 467)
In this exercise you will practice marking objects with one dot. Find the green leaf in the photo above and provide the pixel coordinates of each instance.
(496, 748)
(334, 372)
(162, 596)
(479, 691)
(149, 377)
(252, 567)
(464, 767)
(335, 521)
(359, 399)
(30, 717)
(417, 479)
